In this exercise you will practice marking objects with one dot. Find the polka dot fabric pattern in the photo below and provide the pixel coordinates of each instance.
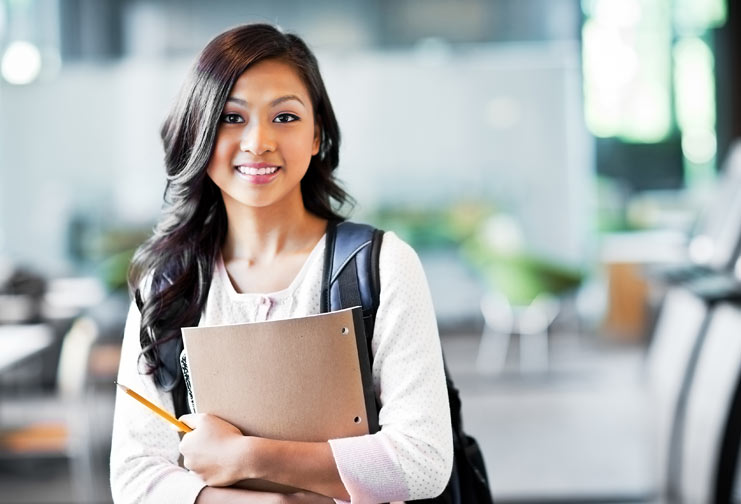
(412, 455)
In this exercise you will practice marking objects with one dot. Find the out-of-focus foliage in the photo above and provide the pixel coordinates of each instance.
(489, 242)
(430, 228)
(115, 249)
(519, 276)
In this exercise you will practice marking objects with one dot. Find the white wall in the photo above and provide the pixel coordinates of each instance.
(86, 142)
(502, 123)
(499, 122)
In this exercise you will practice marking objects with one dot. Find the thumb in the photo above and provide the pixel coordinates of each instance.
(191, 420)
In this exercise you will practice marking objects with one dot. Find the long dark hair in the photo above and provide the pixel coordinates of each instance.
(170, 274)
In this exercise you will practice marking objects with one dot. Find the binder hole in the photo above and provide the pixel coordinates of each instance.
(345, 330)
(356, 419)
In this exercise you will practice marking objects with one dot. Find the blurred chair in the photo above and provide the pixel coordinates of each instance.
(676, 339)
(56, 426)
(694, 371)
(499, 323)
(711, 427)
(502, 320)
(695, 385)
(736, 498)
(715, 241)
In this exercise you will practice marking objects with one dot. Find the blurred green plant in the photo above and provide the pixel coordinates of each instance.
(489, 241)
(425, 228)
(116, 247)
(518, 275)
(113, 270)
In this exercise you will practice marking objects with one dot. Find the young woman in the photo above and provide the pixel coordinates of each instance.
(251, 146)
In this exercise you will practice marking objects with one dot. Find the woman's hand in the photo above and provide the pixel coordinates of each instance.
(218, 452)
(215, 450)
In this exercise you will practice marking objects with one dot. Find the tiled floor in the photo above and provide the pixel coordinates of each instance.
(575, 434)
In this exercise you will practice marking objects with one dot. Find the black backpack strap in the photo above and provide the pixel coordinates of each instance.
(351, 253)
(351, 277)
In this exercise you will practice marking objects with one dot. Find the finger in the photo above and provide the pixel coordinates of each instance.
(191, 420)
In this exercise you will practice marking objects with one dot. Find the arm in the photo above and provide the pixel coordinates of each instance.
(219, 453)
(411, 457)
(144, 449)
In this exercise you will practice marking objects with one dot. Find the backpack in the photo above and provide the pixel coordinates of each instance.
(351, 278)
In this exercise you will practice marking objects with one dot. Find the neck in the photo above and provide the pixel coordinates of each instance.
(258, 235)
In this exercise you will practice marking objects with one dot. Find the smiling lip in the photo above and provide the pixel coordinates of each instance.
(269, 172)
(257, 165)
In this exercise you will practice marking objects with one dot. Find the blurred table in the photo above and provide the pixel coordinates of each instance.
(631, 299)
(21, 342)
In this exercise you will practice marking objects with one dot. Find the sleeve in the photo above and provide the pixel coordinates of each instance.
(411, 457)
(144, 449)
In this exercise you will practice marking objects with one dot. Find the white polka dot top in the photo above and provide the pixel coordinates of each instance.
(409, 458)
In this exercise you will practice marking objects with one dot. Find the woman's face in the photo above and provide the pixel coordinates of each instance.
(265, 139)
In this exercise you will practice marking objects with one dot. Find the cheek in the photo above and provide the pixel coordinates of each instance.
(219, 153)
(220, 158)
(224, 146)
(304, 145)
(218, 165)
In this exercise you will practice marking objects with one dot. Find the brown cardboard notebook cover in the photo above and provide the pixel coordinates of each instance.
(300, 379)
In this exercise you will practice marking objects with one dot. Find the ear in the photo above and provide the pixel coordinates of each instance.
(317, 140)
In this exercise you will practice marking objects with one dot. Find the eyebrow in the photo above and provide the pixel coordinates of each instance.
(273, 103)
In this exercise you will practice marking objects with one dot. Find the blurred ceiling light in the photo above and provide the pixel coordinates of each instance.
(699, 146)
(21, 63)
(626, 68)
(700, 14)
(650, 108)
(610, 55)
(694, 84)
(617, 12)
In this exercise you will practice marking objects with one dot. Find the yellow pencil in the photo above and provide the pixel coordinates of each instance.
(164, 414)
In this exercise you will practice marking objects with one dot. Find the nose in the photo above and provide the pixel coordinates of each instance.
(257, 138)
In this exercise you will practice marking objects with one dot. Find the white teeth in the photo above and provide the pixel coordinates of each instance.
(246, 170)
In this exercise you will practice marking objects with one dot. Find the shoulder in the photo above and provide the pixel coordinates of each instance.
(398, 262)
(394, 251)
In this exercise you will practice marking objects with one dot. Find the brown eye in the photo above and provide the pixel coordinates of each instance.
(231, 118)
(286, 118)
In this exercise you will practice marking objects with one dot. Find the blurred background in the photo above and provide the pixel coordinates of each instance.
(568, 172)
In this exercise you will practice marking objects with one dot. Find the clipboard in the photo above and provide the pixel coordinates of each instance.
(299, 379)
